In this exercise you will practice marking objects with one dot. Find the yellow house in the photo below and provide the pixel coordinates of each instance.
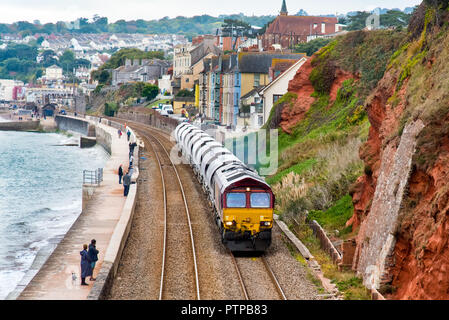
(180, 103)
(254, 68)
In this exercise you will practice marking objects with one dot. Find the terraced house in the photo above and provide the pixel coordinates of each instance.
(226, 79)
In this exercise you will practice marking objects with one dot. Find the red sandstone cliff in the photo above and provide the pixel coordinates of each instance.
(415, 262)
(303, 88)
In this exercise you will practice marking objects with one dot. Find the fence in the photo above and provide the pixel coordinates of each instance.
(93, 177)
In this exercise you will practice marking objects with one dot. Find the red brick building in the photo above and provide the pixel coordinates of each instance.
(288, 31)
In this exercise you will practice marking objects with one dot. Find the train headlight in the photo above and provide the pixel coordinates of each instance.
(265, 223)
(231, 223)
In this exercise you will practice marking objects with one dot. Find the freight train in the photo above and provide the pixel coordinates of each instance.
(243, 202)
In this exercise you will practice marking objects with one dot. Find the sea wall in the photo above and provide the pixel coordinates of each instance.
(113, 254)
(92, 222)
(81, 126)
(19, 126)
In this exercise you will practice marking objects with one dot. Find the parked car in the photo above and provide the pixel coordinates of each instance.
(166, 110)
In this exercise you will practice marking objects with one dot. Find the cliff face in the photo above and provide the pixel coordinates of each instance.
(303, 88)
(402, 201)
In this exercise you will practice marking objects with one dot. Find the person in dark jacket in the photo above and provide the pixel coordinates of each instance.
(132, 146)
(86, 269)
(128, 133)
(126, 183)
(120, 174)
(93, 255)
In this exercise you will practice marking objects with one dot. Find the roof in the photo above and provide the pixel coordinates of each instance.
(54, 67)
(283, 74)
(203, 50)
(253, 92)
(260, 62)
(298, 25)
(284, 7)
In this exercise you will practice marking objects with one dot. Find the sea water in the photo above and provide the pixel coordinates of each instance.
(40, 196)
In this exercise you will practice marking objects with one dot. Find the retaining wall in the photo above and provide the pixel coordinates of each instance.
(111, 261)
(19, 125)
(74, 124)
(151, 118)
(326, 244)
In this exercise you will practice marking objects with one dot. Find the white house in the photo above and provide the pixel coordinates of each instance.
(7, 88)
(53, 73)
(276, 89)
(165, 84)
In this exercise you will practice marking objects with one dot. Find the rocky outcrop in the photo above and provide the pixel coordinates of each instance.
(302, 86)
(402, 202)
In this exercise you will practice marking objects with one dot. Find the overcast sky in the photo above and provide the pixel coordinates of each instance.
(63, 10)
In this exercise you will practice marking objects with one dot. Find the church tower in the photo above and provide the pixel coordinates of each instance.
(284, 11)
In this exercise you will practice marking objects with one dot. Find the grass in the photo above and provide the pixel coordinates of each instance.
(156, 103)
(336, 217)
(298, 169)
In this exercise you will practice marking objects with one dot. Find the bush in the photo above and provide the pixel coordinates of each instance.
(110, 108)
(185, 93)
(150, 91)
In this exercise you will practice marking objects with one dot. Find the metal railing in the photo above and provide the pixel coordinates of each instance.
(93, 177)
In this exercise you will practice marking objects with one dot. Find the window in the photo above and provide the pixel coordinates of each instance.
(276, 98)
(256, 79)
(236, 200)
(260, 200)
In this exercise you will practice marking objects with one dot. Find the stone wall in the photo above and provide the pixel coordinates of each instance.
(376, 238)
(326, 244)
(151, 118)
(19, 126)
(104, 139)
(81, 126)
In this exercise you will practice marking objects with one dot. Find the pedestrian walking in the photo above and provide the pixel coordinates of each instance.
(128, 134)
(126, 183)
(93, 255)
(119, 133)
(131, 148)
(131, 160)
(86, 269)
(120, 174)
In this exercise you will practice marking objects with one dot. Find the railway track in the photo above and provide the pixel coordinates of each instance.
(244, 286)
(274, 290)
(181, 280)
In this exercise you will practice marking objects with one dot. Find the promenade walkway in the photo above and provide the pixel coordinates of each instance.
(98, 221)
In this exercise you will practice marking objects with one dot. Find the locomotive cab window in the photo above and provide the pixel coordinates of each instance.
(260, 200)
(236, 200)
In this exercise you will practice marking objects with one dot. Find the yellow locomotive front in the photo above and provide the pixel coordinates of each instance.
(247, 218)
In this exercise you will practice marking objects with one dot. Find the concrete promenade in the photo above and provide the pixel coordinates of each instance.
(98, 221)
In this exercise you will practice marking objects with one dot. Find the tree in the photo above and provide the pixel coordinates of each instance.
(311, 47)
(185, 93)
(104, 77)
(150, 91)
(67, 61)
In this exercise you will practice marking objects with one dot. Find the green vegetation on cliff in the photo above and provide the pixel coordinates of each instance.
(319, 159)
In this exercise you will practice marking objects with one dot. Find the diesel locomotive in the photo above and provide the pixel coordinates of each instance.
(243, 202)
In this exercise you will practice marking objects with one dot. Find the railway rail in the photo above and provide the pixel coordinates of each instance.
(164, 162)
(269, 271)
(155, 135)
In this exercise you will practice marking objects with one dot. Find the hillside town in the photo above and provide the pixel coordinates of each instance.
(232, 80)
(277, 156)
